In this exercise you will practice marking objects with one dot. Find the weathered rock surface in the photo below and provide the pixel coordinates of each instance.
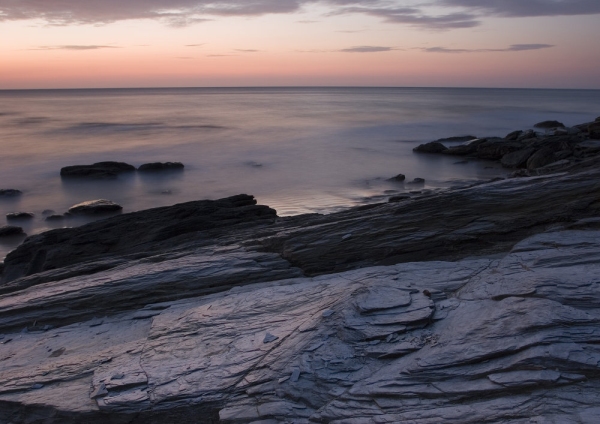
(161, 166)
(218, 311)
(10, 192)
(97, 170)
(10, 230)
(94, 207)
(517, 159)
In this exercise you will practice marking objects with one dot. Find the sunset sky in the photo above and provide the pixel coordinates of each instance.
(173, 43)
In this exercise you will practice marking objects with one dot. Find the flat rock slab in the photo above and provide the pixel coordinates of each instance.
(266, 352)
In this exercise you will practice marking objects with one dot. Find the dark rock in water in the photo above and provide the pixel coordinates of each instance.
(432, 147)
(417, 181)
(549, 124)
(9, 192)
(160, 166)
(398, 178)
(513, 136)
(48, 212)
(97, 170)
(14, 216)
(93, 207)
(55, 218)
(495, 149)
(542, 157)
(10, 230)
(464, 149)
(395, 199)
(457, 139)
(594, 130)
(517, 159)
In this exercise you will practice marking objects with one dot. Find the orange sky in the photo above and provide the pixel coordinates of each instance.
(316, 44)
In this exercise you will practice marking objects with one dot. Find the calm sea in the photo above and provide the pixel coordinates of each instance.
(296, 149)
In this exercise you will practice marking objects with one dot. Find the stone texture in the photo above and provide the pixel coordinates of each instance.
(517, 159)
(474, 305)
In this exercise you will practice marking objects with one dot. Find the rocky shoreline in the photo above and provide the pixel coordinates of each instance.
(473, 305)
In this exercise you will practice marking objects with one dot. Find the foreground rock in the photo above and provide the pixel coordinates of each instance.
(97, 170)
(161, 166)
(476, 305)
(95, 207)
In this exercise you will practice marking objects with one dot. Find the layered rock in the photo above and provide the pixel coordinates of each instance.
(473, 305)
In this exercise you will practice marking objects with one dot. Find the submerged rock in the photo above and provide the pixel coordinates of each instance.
(10, 192)
(160, 166)
(94, 207)
(97, 170)
(10, 230)
(19, 216)
(398, 178)
(432, 147)
(549, 124)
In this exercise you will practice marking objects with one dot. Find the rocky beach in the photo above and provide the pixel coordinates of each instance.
(475, 304)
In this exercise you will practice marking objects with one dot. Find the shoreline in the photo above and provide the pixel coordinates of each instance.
(461, 305)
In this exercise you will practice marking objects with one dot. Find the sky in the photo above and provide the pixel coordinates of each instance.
(216, 43)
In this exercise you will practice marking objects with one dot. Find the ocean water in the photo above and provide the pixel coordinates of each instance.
(297, 150)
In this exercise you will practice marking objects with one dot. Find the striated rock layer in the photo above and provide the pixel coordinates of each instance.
(472, 306)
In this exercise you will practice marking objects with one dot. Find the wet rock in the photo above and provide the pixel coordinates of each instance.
(549, 124)
(417, 181)
(432, 147)
(95, 207)
(594, 130)
(497, 148)
(399, 198)
(517, 159)
(9, 192)
(19, 216)
(527, 136)
(468, 148)
(398, 178)
(161, 166)
(462, 138)
(55, 217)
(513, 136)
(97, 170)
(542, 157)
(10, 230)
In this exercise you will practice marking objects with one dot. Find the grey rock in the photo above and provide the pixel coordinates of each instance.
(94, 207)
(478, 304)
(96, 170)
(161, 166)
(269, 338)
(468, 148)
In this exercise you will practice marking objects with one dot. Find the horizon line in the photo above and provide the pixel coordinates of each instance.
(291, 87)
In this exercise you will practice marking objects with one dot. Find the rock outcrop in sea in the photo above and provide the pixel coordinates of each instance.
(472, 305)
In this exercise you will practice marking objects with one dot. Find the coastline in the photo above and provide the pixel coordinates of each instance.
(451, 306)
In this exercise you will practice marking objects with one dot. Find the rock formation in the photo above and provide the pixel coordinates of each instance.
(474, 305)
(96, 170)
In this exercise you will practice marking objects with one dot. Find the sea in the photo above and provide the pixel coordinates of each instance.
(298, 150)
